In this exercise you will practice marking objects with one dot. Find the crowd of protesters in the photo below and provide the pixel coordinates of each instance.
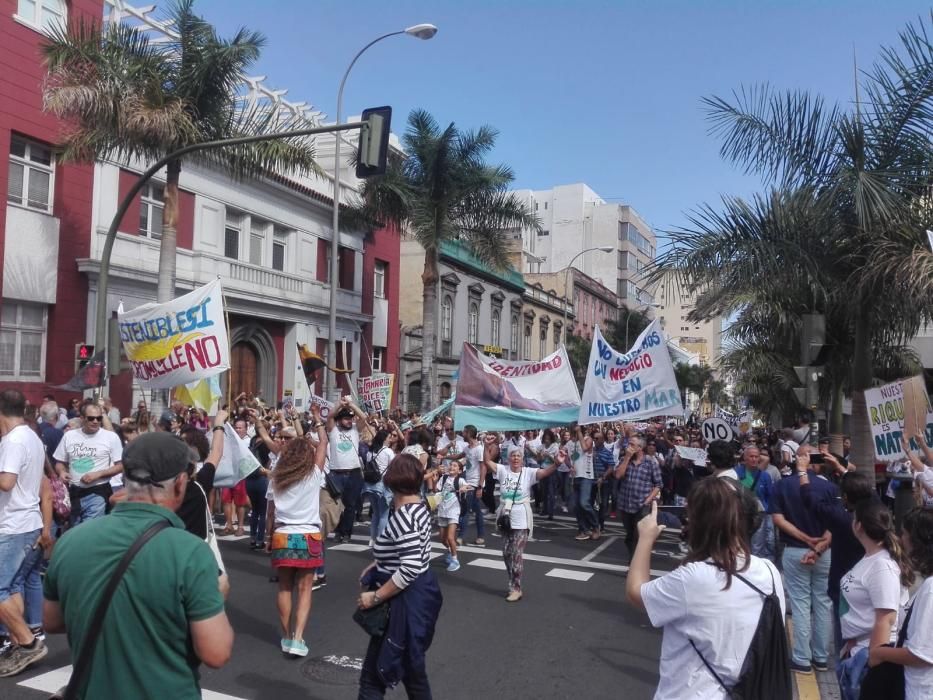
(784, 518)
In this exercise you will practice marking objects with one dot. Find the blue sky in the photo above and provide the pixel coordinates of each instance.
(606, 93)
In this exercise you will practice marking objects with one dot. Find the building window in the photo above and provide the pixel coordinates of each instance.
(526, 348)
(542, 348)
(496, 321)
(232, 235)
(379, 279)
(42, 14)
(279, 246)
(447, 321)
(556, 337)
(31, 175)
(445, 391)
(22, 340)
(379, 357)
(473, 328)
(255, 248)
(151, 207)
(544, 232)
(514, 338)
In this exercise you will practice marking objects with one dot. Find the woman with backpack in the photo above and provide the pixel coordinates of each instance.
(381, 452)
(722, 610)
(872, 595)
(914, 650)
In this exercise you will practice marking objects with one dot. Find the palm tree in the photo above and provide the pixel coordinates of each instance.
(443, 190)
(848, 193)
(126, 96)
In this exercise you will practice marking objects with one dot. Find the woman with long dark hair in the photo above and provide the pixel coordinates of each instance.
(872, 595)
(708, 616)
(382, 449)
(914, 650)
(297, 543)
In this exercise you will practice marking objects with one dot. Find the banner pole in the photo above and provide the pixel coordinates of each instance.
(223, 298)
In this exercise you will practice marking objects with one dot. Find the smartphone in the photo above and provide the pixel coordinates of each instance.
(817, 458)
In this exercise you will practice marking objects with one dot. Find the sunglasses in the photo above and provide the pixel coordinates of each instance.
(94, 418)
(284, 437)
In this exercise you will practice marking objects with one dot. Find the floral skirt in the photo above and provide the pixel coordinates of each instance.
(297, 550)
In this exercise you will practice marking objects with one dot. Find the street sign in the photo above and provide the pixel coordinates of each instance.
(373, 149)
(717, 429)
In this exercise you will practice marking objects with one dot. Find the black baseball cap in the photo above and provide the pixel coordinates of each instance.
(345, 412)
(155, 457)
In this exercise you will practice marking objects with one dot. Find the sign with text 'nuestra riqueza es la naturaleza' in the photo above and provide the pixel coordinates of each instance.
(179, 342)
(495, 394)
(898, 409)
(637, 384)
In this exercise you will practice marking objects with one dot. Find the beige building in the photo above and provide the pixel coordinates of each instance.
(544, 312)
(703, 339)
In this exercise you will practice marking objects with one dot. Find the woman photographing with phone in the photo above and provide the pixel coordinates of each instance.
(709, 607)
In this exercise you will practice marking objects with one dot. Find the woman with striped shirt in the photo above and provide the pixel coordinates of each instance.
(401, 579)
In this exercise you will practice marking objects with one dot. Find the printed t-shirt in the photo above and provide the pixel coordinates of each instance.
(872, 584)
(86, 454)
(474, 464)
(516, 486)
(344, 449)
(918, 680)
(582, 462)
(21, 453)
(449, 505)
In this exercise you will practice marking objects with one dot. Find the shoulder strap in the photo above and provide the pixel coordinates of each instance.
(902, 635)
(84, 657)
(750, 584)
(711, 669)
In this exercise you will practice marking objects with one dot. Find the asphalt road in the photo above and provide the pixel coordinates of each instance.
(573, 633)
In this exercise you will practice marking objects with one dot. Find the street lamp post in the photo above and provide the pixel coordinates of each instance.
(602, 249)
(628, 317)
(419, 31)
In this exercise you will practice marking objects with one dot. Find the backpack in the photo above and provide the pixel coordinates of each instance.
(765, 673)
(371, 473)
(461, 497)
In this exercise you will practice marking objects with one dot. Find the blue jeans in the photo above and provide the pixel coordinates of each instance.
(92, 505)
(472, 507)
(18, 556)
(256, 490)
(763, 539)
(850, 673)
(379, 498)
(351, 483)
(583, 504)
(806, 586)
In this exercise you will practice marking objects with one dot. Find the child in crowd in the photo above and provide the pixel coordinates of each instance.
(451, 491)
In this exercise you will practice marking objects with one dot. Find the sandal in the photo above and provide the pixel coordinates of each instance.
(227, 531)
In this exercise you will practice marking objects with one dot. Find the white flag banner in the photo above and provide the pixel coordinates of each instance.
(630, 386)
(237, 461)
(179, 342)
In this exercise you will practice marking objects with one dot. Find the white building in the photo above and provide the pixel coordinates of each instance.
(574, 218)
(703, 339)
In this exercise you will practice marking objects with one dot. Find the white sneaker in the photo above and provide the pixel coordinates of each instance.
(454, 565)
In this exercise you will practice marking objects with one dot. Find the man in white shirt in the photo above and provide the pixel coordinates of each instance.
(474, 469)
(22, 459)
(345, 426)
(88, 458)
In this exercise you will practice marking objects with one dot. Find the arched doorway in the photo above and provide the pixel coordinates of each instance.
(244, 367)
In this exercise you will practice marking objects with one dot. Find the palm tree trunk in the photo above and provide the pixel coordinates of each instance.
(428, 327)
(169, 245)
(863, 451)
(836, 420)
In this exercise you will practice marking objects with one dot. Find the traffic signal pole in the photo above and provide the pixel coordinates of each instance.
(103, 279)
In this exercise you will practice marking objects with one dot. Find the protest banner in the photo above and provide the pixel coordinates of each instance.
(717, 429)
(887, 413)
(375, 392)
(325, 406)
(637, 384)
(237, 461)
(429, 417)
(692, 454)
(495, 394)
(179, 342)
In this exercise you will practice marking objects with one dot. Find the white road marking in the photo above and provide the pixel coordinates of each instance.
(570, 575)
(601, 548)
(232, 538)
(488, 564)
(349, 547)
(353, 662)
(53, 681)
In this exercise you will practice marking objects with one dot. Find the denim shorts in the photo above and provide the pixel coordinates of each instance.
(14, 552)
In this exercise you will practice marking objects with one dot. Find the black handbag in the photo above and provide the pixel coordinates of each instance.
(886, 680)
(374, 621)
(85, 656)
(333, 488)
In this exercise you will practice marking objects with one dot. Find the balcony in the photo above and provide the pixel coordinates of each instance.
(457, 252)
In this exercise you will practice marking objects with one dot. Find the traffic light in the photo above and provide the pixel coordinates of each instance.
(373, 149)
(83, 355)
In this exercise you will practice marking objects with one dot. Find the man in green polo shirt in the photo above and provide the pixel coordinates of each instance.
(167, 616)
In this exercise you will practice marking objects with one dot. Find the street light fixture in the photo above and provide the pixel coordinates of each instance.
(419, 31)
(602, 249)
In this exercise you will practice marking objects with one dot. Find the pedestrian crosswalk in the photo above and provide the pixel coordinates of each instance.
(52, 681)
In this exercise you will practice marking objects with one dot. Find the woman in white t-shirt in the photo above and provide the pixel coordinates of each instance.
(871, 594)
(916, 652)
(515, 482)
(297, 544)
(708, 600)
(382, 449)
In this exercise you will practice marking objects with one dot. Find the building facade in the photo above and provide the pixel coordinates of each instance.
(475, 305)
(545, 314)
(702, 339)
(574, 218)
(267, 239)
(592, 303)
